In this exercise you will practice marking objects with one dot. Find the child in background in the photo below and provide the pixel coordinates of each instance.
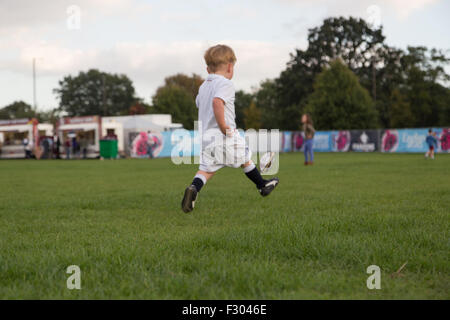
(432, 144)
(309, 132)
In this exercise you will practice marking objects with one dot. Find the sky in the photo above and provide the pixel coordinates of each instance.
(150, 40)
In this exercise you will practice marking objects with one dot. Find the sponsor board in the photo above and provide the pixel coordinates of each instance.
(322, 141)
(297, 141)
(364, 140)
(340, 141)
(145, 144)
(184, 143)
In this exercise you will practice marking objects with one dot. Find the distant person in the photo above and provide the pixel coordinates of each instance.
(75, 147)
(308, 130)
(25, 143)
(56, 146)
(67, 148)
(432, 144)
(111, 135)
(46, 147)
(83, 146)
(28, 148)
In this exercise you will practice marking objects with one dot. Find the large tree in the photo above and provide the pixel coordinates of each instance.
(350, 39)
(418, 74)
(95, 93)
(252, 117)
(51, 115)
(339, 101)
(190, 83)
(424, 76)
(241, 103)
(400, 115)
(177, 97)
(178, 102)
(17, 110)
(266, 101)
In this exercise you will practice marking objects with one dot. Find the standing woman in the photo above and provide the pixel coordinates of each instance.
(309, 131)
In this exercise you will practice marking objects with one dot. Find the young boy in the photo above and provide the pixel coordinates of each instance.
(432, 144)
(221, 144)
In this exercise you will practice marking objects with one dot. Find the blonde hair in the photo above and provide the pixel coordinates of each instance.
(219, 55)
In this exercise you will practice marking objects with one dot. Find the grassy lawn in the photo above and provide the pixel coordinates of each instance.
(313, 238)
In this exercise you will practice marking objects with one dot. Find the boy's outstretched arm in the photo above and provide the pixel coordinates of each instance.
(219, 114)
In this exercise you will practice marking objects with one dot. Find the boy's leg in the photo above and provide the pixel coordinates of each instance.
(253, 174)
(191, 192)
(265, 187)
(200, 179)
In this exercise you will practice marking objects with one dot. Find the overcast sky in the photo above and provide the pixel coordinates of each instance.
(149, 40)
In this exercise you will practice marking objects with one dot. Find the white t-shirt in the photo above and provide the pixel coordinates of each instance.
(215, 86)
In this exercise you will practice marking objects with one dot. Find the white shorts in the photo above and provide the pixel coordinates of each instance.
(225, 152)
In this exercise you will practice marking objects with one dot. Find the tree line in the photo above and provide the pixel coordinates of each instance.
(348, 77)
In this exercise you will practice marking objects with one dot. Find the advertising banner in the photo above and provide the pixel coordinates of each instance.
(340, 141)
(389, 140)
(297, 141)
(15, 122)
(322, 141)
(184, 143)
(286, 141)
(443, 138)
(404, 140)
(413, 140)
(145, 144)
(364, 140)
(181, 143)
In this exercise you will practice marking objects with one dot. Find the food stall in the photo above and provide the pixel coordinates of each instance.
(84, 131)
(127, 128)
(19, 135)
(46, 141)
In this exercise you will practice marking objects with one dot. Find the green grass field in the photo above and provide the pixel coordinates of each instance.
(313, 238)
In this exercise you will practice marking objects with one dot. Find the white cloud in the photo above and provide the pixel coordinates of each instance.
(151, 41)
(404, 8)
(147, 64)
(24, 13)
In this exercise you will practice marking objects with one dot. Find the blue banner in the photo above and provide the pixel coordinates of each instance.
(340, 141)
(404, 140)
(322, 141)
(413, 140)
(180, 143)
(184, 143)
(286, 141)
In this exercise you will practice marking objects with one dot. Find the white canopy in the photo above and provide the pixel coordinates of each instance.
(79, 126)
(139, 124)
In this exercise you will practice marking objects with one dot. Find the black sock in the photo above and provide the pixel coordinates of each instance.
(256, 177)
(198, 183)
